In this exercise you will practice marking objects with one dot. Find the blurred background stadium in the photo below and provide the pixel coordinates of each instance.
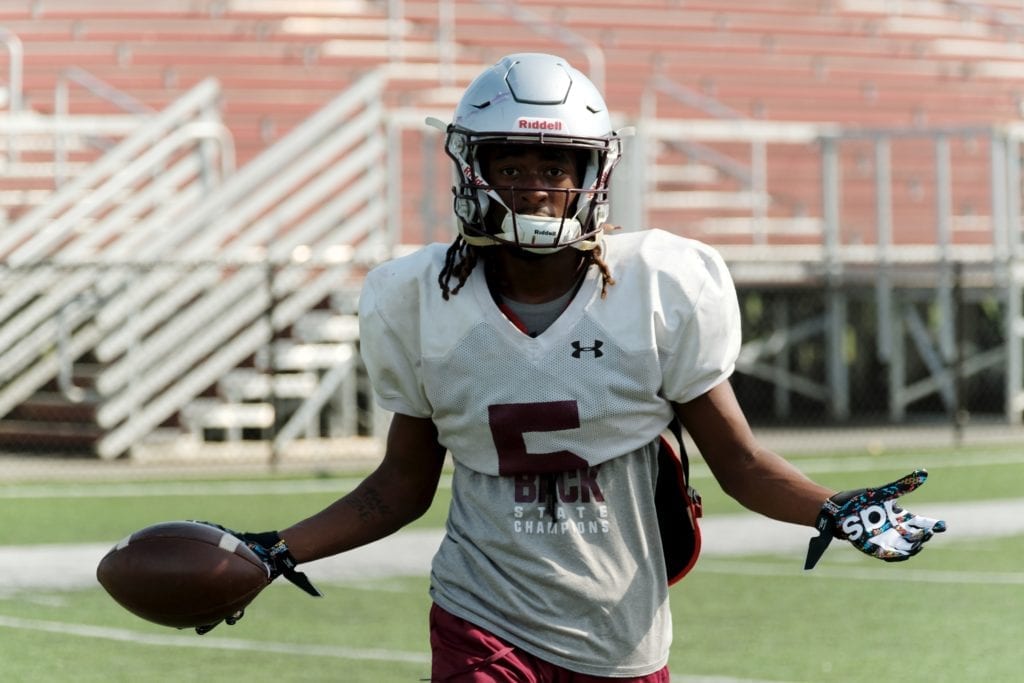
(192, 191)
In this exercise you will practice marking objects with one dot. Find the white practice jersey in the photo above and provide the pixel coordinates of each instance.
(552, 539)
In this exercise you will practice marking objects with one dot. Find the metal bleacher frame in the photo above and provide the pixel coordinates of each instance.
(177, 282)
(186, 274)
(938, 271)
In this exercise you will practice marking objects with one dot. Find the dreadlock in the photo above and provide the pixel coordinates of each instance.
(459, 261)
(461, 258)
(606, 273)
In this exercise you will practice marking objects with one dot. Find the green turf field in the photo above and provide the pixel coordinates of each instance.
(951, 614)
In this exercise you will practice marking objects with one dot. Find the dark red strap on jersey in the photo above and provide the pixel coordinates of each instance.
(678, 506)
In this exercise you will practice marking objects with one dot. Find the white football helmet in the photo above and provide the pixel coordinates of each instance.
(532, 99)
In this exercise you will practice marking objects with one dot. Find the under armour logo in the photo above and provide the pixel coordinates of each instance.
(578, 349)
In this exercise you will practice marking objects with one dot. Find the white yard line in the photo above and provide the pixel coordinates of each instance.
(408, 553)
(208, 642)
(905, 575)
(189, 639)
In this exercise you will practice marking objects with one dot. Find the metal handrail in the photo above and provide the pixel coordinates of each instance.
(753, 176)
(15, 103)
(15, 54)
(228, 310)
(62, 106)
(26, 239)
(98, 87)
(35, 301)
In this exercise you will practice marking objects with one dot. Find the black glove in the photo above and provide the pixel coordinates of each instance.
(873, 523)
(269, 547)
(273, 551)
(230, 621)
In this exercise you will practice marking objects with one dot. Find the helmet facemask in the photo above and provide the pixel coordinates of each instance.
(586, 210)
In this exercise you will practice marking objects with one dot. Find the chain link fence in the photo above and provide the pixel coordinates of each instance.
(232, 365)
(231, 361)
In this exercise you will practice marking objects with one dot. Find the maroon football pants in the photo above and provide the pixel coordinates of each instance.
(464, 653)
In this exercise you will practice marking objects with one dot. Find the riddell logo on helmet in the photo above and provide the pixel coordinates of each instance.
(540, 124)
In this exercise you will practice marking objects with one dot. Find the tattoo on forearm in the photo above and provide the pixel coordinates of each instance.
(369, 505)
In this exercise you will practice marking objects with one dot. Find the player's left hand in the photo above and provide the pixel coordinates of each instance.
(873, 523)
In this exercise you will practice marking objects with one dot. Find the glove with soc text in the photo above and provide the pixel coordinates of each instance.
(873, 523)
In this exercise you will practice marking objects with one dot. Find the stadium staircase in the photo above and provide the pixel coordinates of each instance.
(193, 189)
(159, 291)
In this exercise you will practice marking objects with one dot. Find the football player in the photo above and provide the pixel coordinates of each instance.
(556, 362)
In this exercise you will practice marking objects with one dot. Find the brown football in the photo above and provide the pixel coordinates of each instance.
(182, 574)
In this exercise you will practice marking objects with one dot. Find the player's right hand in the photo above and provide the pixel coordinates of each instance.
(230, 621)
(873, 523)
(271, 548)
